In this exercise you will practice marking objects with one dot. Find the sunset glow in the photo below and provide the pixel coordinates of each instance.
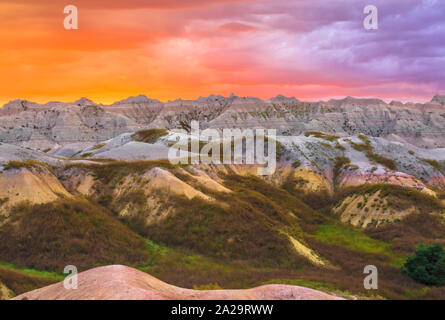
(184, 49)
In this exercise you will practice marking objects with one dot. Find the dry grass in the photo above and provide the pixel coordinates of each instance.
(51, 236)
(109, 171)
(321, 135)
(369, 151)
(237, 241)
(20, 282)
(434, 163)
(149, 135)
(416, 228)
(29, 164)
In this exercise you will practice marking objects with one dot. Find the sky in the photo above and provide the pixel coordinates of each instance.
(169, 49)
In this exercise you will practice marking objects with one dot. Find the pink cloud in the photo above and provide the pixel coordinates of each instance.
(237, 27)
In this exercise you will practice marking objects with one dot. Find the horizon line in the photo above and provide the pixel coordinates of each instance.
(338, 98)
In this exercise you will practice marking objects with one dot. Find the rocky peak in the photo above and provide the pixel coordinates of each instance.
(439, 99)
(396, 103)
(138, 99)
(211, 98)
(351, 101)
(14, 107)
(281, 98)
(84, 102)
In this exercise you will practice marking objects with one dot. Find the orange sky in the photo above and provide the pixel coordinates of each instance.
(184, 49)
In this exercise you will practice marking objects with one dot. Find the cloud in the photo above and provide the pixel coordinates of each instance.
(128, 4)
(236, 27)
(307, 48)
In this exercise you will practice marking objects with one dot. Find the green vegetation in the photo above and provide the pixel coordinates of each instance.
(86, 154)
(340, 162)
(307, 217)
(434, 163)
(29, 164)
(386, 162)
(238, 232)
(397, 198)
(315, 200)
(339, 146)
(149, 135)
(402, 198)
(296, 164)
(413, 229)
(116, 170)
(99, 146)
(252, 229)
(427, 265)
(351, 238)
(184, 268)
(51, 236)
(369, 151)
(210, 286)
(238, 240)
(24, 280)
(33, 272)
(280, 150)
(321, 135)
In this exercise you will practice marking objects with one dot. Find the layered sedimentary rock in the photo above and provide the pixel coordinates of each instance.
(59, 123)
(47, 126)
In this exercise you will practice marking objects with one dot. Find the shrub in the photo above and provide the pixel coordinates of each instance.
(253, 228)
(386, 162)
(339, 163)
(116, 170)
(210, 286)
(230, 233)
(149, 135)
(314, 199)
(99, 146)
(20, 281)
(369, 151)
(339, 147)
(427, 265)
(51, 236)
(296, 164)
(27, 164)
(321, 135)
(434, 163)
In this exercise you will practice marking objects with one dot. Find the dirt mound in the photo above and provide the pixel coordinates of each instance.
(34, 184)
(118, 282)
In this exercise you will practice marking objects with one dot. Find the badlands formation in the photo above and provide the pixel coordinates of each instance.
(325, 146)
(54, 124)
(356, 179)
